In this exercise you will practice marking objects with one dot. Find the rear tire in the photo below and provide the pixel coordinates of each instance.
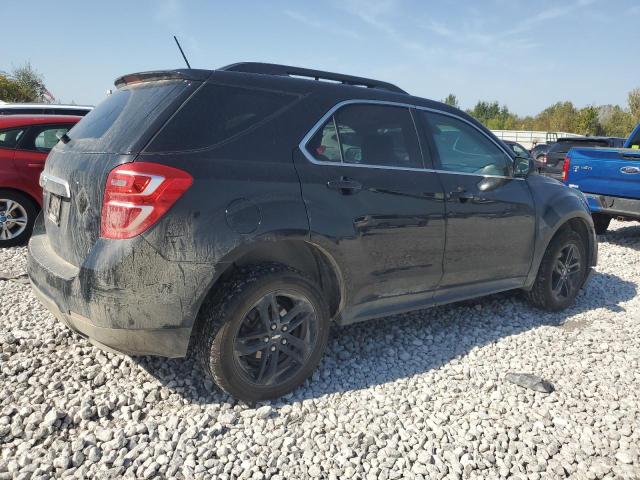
(601, 223)
(17, 216)
(251, 342)
(561, 274)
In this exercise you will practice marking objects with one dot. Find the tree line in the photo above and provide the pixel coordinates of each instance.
(608, 120)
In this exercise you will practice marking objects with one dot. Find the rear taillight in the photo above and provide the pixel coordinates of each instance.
(565, 169)
(137, 195)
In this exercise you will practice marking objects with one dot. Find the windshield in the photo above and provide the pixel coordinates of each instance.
(634, 141)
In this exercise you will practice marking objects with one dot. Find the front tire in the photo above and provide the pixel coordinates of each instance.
(262, 335)
(561, 274)
(17, 216)
(601, 223)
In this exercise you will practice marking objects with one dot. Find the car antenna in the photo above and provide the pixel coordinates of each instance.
(182, 52)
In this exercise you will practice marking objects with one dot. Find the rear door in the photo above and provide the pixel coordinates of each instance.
(490, 215)
(373, 206)
(111, 134)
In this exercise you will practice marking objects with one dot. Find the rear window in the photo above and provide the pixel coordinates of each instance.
(122, 120)
(218, 113)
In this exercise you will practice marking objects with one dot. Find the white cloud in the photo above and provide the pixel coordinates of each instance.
(378, 15)
(326, 27)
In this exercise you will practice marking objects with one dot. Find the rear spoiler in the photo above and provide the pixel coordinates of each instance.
(182, 74)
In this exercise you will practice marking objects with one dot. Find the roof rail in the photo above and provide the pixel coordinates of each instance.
(286, 70)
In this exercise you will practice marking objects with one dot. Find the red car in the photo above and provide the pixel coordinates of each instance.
(25, 142)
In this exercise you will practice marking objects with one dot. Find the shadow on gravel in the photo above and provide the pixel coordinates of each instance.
(627, 236)
(384, 350)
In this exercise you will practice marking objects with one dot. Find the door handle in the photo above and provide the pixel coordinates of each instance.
(462, 196)
(345, 185)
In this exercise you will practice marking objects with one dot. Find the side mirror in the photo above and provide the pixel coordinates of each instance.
(522, 167)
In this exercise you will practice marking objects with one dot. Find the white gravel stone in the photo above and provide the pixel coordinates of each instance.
(422, 395)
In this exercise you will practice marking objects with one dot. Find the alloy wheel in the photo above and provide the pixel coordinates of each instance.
(565, 277)
(275, 338)
(13, 219)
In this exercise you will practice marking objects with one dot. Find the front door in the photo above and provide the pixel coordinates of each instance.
(374, 208)
(490, 214)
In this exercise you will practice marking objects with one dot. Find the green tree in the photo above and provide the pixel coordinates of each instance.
(559, 117)
(452, 100)
(12, 91)
(586, 122)
(634, 104)
(617, 122)
(494, 116)
(32, 81)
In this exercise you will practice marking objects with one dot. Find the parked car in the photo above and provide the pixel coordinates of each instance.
(518, 149)
(197, 207)
(552, 162)
(25, 141)
(609, 178)
(43, 109)
(538, 154)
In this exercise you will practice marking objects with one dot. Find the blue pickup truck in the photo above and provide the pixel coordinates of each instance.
(609, 178)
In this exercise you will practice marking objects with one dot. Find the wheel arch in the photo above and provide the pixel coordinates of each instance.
(35, 202)
(301, 255)
(580, 223)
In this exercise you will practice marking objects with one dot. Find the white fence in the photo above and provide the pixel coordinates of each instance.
(530, 138)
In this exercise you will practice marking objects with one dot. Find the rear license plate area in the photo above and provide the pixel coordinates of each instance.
(53, 208)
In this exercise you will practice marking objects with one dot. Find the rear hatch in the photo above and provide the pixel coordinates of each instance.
(613, 172)
(112, 134)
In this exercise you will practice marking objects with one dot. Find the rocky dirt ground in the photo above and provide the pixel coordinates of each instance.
(422, 395)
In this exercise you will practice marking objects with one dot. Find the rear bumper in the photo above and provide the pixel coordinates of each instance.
(124, 297)
(614, 206)
(166, 342)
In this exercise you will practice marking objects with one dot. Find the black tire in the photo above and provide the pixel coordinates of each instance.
(11, 233)
(543, 295)
(601, 223)
(236, 307)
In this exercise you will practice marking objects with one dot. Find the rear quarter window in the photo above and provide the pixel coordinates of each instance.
(218, 113)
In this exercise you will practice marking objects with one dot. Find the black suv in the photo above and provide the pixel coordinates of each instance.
(238, 212)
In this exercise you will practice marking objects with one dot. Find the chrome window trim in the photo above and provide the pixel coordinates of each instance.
(305, 140)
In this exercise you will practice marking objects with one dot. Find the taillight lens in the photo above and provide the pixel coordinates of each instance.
(137, 195)
(565, 169)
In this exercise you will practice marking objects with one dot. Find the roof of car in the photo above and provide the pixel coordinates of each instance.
(585, 139)
(46, 106)
(7, 121)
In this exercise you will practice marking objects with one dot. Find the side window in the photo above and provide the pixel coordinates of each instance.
(463, 148)
(378, 135)
(10, 138)
(48, 138)
(217, 113)
(44, 138)
(324, 145)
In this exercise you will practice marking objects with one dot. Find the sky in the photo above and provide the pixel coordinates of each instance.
(525, 54)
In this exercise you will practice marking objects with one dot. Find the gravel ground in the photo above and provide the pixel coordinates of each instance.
(422, 396)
